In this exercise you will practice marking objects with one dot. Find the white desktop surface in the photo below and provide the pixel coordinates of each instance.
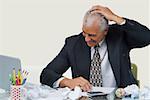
(54, 94)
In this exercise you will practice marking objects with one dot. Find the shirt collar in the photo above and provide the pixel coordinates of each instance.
(100, 43)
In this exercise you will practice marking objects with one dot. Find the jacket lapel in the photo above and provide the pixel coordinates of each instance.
(83, 58)
(113, 55)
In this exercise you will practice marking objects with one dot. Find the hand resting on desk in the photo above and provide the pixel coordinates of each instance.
(79, 81)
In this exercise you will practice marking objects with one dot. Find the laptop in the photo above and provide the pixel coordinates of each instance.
(6, 66)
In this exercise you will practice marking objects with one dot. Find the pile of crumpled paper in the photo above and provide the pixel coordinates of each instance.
(38, 92)
(134, 92)
(145, 93)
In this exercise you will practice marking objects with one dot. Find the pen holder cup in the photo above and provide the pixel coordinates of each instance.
(18, 92)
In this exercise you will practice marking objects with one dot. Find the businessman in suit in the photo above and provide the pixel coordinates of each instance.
(113, 42)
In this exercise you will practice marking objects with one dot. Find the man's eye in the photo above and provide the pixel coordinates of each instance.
(92, 35)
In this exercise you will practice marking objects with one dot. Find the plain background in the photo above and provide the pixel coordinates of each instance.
(35, 30)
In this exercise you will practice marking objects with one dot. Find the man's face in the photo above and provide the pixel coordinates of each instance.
(92, 35)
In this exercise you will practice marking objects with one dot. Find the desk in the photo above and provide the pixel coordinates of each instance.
(6, 97)
(82, 98)
(53, 96)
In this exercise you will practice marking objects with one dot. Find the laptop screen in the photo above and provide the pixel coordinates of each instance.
(6, 66)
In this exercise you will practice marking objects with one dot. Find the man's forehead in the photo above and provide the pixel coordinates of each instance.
(93, 29)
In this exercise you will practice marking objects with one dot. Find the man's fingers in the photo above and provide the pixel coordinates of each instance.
(84, 88)
(104, 11)
(80, 81)
(97, 7)
(87, 87)
(97, 11)
(84, 84)
(84, 79)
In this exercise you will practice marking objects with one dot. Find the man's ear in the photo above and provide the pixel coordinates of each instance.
(106, 31)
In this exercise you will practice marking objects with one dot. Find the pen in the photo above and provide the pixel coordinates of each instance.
(24, 76)
(14, 76)
(19, 73)
(24, 81)
(19, 77)
(11, 79)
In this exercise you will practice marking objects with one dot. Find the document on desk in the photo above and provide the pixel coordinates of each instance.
(101, 91)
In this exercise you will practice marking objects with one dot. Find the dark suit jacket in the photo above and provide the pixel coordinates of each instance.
(76, 54)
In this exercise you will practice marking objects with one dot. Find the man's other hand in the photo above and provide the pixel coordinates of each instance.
(109, 15)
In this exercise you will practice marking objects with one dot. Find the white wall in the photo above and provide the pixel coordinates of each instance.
(1, 24)
(35, 30)
(149, 47)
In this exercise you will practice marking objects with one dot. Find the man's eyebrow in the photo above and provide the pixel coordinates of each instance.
(89, 34)
(85, 32)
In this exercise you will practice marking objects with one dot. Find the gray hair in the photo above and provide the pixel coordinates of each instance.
(90, 18)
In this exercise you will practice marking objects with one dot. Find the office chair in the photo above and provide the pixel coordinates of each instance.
(134, 72)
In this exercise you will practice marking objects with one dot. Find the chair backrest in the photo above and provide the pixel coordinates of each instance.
(6, 66)
(134, 70)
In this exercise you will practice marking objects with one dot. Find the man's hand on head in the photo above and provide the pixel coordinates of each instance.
(79, 81)
(109, 15)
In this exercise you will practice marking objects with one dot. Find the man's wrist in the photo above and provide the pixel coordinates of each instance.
(119, 20)
(56, 83)
(63, 83)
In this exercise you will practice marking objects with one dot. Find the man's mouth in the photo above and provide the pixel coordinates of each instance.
(92, 41)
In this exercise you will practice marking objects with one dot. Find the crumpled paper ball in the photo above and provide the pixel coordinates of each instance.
(132, 90)
(73, 95)
(120, 92)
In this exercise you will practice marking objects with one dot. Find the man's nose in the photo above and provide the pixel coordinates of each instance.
(87, 38)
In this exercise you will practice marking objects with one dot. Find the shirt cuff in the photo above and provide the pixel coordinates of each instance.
(56, 83)
(123, 22)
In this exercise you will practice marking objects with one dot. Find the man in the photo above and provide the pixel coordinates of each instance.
(99, 55)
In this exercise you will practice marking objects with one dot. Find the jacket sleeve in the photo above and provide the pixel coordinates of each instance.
(136, 35)
(56, 68)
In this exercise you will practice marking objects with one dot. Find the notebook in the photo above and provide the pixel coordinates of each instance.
(6, 66)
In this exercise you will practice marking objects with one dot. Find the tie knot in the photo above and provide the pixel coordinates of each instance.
(96, 47)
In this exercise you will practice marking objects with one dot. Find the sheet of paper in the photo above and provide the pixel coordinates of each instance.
(105, 90)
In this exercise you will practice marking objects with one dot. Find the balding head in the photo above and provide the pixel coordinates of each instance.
(97, 19)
